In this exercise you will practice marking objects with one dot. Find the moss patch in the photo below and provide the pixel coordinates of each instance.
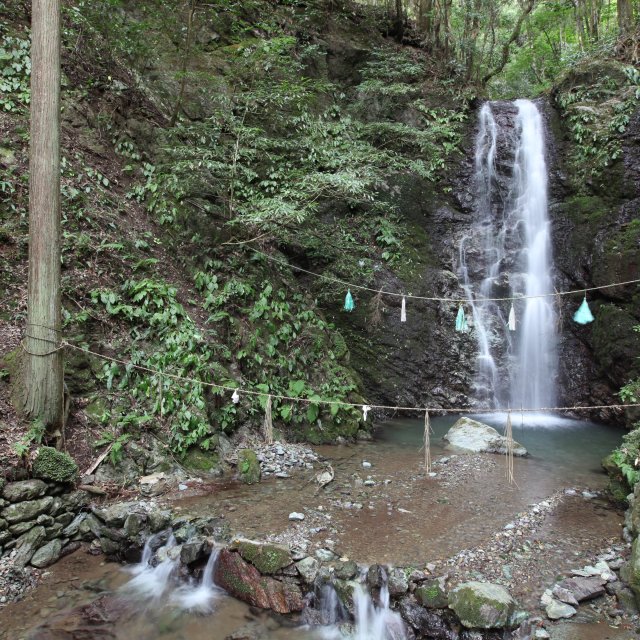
(266, 558)
(54, 465)
(432, 595)
(199, 460)
(248, 466)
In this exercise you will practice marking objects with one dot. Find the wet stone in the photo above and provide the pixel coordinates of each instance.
(191, 552)
(397, 582)
(23, 511)
(47, 555)
(556, 610)
(27, 545)
(584, 588)
(21, 527)
(24, 490)
(308, 569)
(431, 594)
(346, 570)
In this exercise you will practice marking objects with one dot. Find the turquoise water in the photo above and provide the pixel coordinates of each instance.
(569, 449)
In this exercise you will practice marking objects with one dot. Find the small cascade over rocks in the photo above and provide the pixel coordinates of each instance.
(372, 620)
(507, 253)
(156, 576)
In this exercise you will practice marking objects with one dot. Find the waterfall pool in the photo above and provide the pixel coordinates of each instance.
(389, 512)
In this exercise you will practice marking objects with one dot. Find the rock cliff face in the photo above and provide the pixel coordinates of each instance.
(596, 242)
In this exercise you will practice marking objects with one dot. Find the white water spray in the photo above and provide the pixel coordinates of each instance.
(201, 597)
(376, 622)
(151, 582)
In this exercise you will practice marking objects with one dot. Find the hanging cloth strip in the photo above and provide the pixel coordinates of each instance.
(461, 321)
(583, 315)
(512, 318)
(349, 304)
(403, 310)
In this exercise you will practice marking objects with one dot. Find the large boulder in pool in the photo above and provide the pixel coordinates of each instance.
(472, 436)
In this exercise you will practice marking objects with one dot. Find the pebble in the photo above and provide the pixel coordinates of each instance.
(366, 464)
(294, 515)
(280, 458)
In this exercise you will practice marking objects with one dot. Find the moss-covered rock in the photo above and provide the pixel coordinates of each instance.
(266, 558)
(204, 461)
(482, 605)
(54, 465)
(431, 595)
(248, 466)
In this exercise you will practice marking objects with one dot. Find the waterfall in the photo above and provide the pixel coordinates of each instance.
(200, 597)
(376, 622)
(152, 581)
(508, 253)
(533, 386)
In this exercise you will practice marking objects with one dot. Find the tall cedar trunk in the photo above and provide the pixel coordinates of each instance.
(625, 16)
(42, 394)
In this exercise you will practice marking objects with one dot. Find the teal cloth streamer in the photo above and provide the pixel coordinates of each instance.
(349, 304)
(461, 321)
(583, 315)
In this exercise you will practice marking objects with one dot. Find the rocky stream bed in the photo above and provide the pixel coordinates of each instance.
(338, 515)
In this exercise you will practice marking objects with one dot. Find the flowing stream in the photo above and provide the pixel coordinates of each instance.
(508, 253)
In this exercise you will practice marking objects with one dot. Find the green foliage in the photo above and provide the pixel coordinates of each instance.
(15, 71)
(598, 115)
(53, 465)
(159, 320)
(34, 435)
(116, 441)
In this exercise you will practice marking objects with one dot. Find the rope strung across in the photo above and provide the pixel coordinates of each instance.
(323, 401)
(350, 285)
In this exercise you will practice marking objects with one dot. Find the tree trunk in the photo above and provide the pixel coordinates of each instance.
(399, 21)
(42, 395)
(625, 16)
(515, 34)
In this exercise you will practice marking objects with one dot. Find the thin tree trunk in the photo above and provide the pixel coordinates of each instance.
(475, 28)
(515, 34)
(42, 395)
(185, 62)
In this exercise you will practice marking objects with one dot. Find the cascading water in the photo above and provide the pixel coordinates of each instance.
(200, 597)
(372, 621)
(534, 384)
(376, 622)
(152, 581)
(508, 253)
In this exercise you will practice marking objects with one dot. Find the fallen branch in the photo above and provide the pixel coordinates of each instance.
(98, 462)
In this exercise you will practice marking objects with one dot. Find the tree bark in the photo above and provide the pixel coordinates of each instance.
(185, 61)
(399, 20)
(43, 382)
(625, 16)
(515, 34)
